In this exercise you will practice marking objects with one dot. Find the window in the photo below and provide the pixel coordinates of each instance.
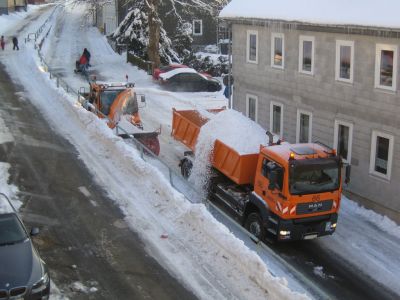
(344, 61)
(251, 107)
(386, 67)
(269, 166)
(306, 55)
(381, 154)
(252, 46)
(197, 27)
(304, 126)
(276, 118)
(342, 140)
(278, 50)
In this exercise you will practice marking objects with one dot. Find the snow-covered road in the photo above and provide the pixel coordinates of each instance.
(225, 268)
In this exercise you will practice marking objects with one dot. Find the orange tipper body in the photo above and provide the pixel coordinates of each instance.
(292, 191)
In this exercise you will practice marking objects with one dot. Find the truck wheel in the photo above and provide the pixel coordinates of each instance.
(186, 167)
(254, 225)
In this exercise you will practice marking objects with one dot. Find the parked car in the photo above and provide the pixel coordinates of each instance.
(23, 274)
(163, 69)
(188, 80)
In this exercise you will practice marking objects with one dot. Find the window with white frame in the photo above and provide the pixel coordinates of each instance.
(276, 118)
(251, 107)
(304, 126)
(252, 46)
(306, 54)
(278, 50)
(343, 139)
(197, 27)
(386, 67)
(381, 154)
(344, 61)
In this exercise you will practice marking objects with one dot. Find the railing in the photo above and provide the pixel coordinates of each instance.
(140, 63)
(183, 186)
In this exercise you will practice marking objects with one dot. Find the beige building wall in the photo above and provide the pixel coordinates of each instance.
(360, 104)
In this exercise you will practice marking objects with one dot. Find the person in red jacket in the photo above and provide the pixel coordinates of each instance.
(83, 64)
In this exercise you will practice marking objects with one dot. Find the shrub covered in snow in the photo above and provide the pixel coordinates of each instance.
(213, 64)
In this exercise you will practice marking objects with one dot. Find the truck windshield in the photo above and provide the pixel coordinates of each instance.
(11, 230)
(314, 176)
(130, 106)
(107, 98)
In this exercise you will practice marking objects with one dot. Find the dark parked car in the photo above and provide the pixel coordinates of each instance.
(23, 274)
(188, 80)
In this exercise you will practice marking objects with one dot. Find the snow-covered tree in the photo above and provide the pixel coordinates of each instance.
(140, 26)
(134, 31)
(183, 40)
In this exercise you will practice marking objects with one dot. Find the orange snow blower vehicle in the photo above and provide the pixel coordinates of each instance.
(118, 102)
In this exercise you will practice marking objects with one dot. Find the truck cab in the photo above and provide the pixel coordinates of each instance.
(114, 100)
(297, 190)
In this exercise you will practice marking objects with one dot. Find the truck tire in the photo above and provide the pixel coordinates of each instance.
(254, 225)
(186, 167)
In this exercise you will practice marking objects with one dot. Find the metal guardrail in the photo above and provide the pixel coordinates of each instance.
(140, 63)
(182, 185)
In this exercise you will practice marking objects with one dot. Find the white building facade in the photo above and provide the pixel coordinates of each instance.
(328, 82)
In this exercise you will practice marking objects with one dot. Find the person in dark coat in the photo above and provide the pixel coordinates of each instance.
(2, 42)
(86, 53)
(15, 43)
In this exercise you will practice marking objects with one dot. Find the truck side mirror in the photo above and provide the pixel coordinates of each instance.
(347, 177)
(272, 180)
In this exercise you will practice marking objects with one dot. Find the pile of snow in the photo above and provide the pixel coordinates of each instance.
(382, 222)
(233, 129)
(9, 190)
(382, 13)
(81, 288)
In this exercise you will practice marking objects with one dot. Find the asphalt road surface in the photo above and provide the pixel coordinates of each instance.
(83, 235)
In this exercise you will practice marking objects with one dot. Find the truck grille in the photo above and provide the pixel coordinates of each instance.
(313, 207)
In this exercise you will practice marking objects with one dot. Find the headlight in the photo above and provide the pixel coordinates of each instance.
(41, 284)
(284, 232)
(333, 226)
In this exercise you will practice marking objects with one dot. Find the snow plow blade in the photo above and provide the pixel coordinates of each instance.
(147, 139)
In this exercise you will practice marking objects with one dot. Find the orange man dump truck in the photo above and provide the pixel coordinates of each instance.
(284, 192)
(118, 102)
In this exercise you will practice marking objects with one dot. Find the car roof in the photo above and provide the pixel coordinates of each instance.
(174, 72)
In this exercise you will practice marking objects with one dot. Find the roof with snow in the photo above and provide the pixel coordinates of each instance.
(370, 13)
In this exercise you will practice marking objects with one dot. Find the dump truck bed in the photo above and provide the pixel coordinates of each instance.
(240, 168)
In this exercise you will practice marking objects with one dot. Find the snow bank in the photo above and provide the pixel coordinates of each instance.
(231, 128)
(382, 222)
(9, 190)
(383, 13)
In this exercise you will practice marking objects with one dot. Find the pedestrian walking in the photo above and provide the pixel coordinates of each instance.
(15, 43)
(2, 43)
